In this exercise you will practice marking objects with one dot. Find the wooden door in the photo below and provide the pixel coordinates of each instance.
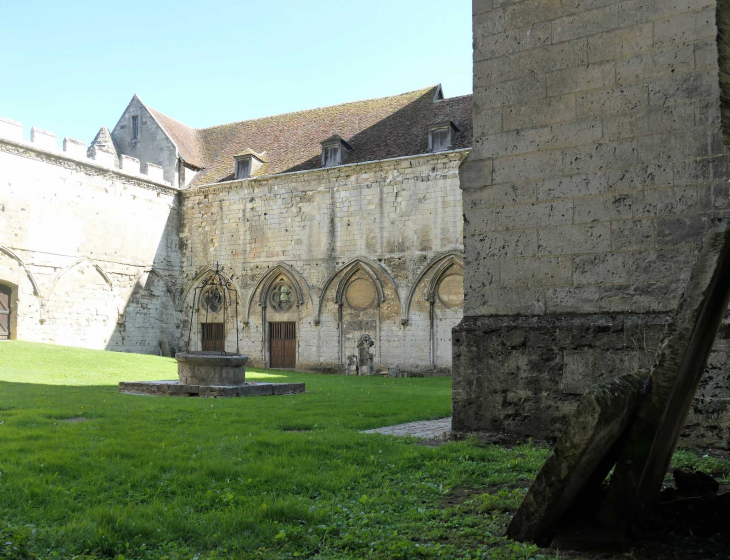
(213, 337)
(4, 312)
(283, 344)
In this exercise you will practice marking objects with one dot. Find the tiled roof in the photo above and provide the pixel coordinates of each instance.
(376, 129)
(186, 138)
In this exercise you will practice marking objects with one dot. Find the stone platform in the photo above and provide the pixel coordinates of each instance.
(174, 388)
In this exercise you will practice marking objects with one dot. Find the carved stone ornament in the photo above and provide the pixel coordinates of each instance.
(282, 297)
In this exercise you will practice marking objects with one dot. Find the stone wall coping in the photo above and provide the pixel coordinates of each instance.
(223, 185)
(16, 146)
(214, 359)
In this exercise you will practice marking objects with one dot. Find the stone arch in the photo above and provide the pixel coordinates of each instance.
(21, 262)
(437, 268)
(82, 309)
(147, 316)
(194, 282)
(370, 268)
(168, 288)
(191, 317)
(197, 279)
(73, 265)
(268, 278)
(8, 309)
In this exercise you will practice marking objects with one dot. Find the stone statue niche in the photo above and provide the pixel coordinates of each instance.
(365, 358)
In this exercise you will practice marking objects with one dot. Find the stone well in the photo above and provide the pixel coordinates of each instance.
(211, 369)
(212, 375)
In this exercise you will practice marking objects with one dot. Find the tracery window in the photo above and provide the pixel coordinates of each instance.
(282, 297)
(212, 300)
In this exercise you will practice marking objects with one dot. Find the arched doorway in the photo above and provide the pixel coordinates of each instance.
(5, 311)
(282, 324)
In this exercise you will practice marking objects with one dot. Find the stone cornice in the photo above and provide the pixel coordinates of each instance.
(332, 173)
(62, 160)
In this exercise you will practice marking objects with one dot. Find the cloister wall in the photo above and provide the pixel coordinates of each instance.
(393, 223)
(90, 252)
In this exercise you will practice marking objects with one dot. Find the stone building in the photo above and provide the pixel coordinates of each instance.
(333, 224)
(597, 158)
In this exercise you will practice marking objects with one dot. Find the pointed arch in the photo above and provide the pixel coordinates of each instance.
(153, 270)
(73, 265)
(268, 278)
(21, 262)
(195, 281)
(436, 267)
(369, 267)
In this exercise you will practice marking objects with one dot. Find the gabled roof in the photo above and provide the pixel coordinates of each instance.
(375, 129)
(186, 138)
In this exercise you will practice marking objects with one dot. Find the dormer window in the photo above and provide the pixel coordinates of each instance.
(440, 136)
(334, 150)
(247, 163)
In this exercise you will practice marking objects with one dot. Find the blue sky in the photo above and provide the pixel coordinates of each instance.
(71, 67)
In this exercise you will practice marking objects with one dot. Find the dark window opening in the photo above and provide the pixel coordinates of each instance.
(331, 156)
(135, 128)
(243, 168)
(440, 139)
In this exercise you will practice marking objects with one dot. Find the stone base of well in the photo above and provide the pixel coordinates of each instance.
(177, 389)
(202, 368)
(212, 375)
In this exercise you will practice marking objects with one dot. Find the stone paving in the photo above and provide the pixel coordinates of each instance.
(427, 429)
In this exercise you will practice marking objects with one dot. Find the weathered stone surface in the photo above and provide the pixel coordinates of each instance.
(621, 213)
(211, 369)
(579, 456)
(525, 375)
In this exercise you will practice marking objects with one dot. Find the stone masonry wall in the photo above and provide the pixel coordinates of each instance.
(91, 253)
(597, 157)
(391, 228)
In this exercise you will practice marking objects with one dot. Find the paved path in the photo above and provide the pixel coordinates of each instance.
(427, 429)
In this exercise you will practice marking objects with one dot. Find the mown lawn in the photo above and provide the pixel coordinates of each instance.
(264, 477)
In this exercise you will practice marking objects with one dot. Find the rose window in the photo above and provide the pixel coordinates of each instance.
(282, 297)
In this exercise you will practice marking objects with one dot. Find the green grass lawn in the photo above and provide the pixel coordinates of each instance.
(256, 477)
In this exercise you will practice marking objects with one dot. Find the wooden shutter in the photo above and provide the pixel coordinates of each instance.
(4, 312)
(283, 344)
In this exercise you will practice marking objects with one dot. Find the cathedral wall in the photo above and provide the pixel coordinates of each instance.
(91, 253)
(597, 159)
(351, 242)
